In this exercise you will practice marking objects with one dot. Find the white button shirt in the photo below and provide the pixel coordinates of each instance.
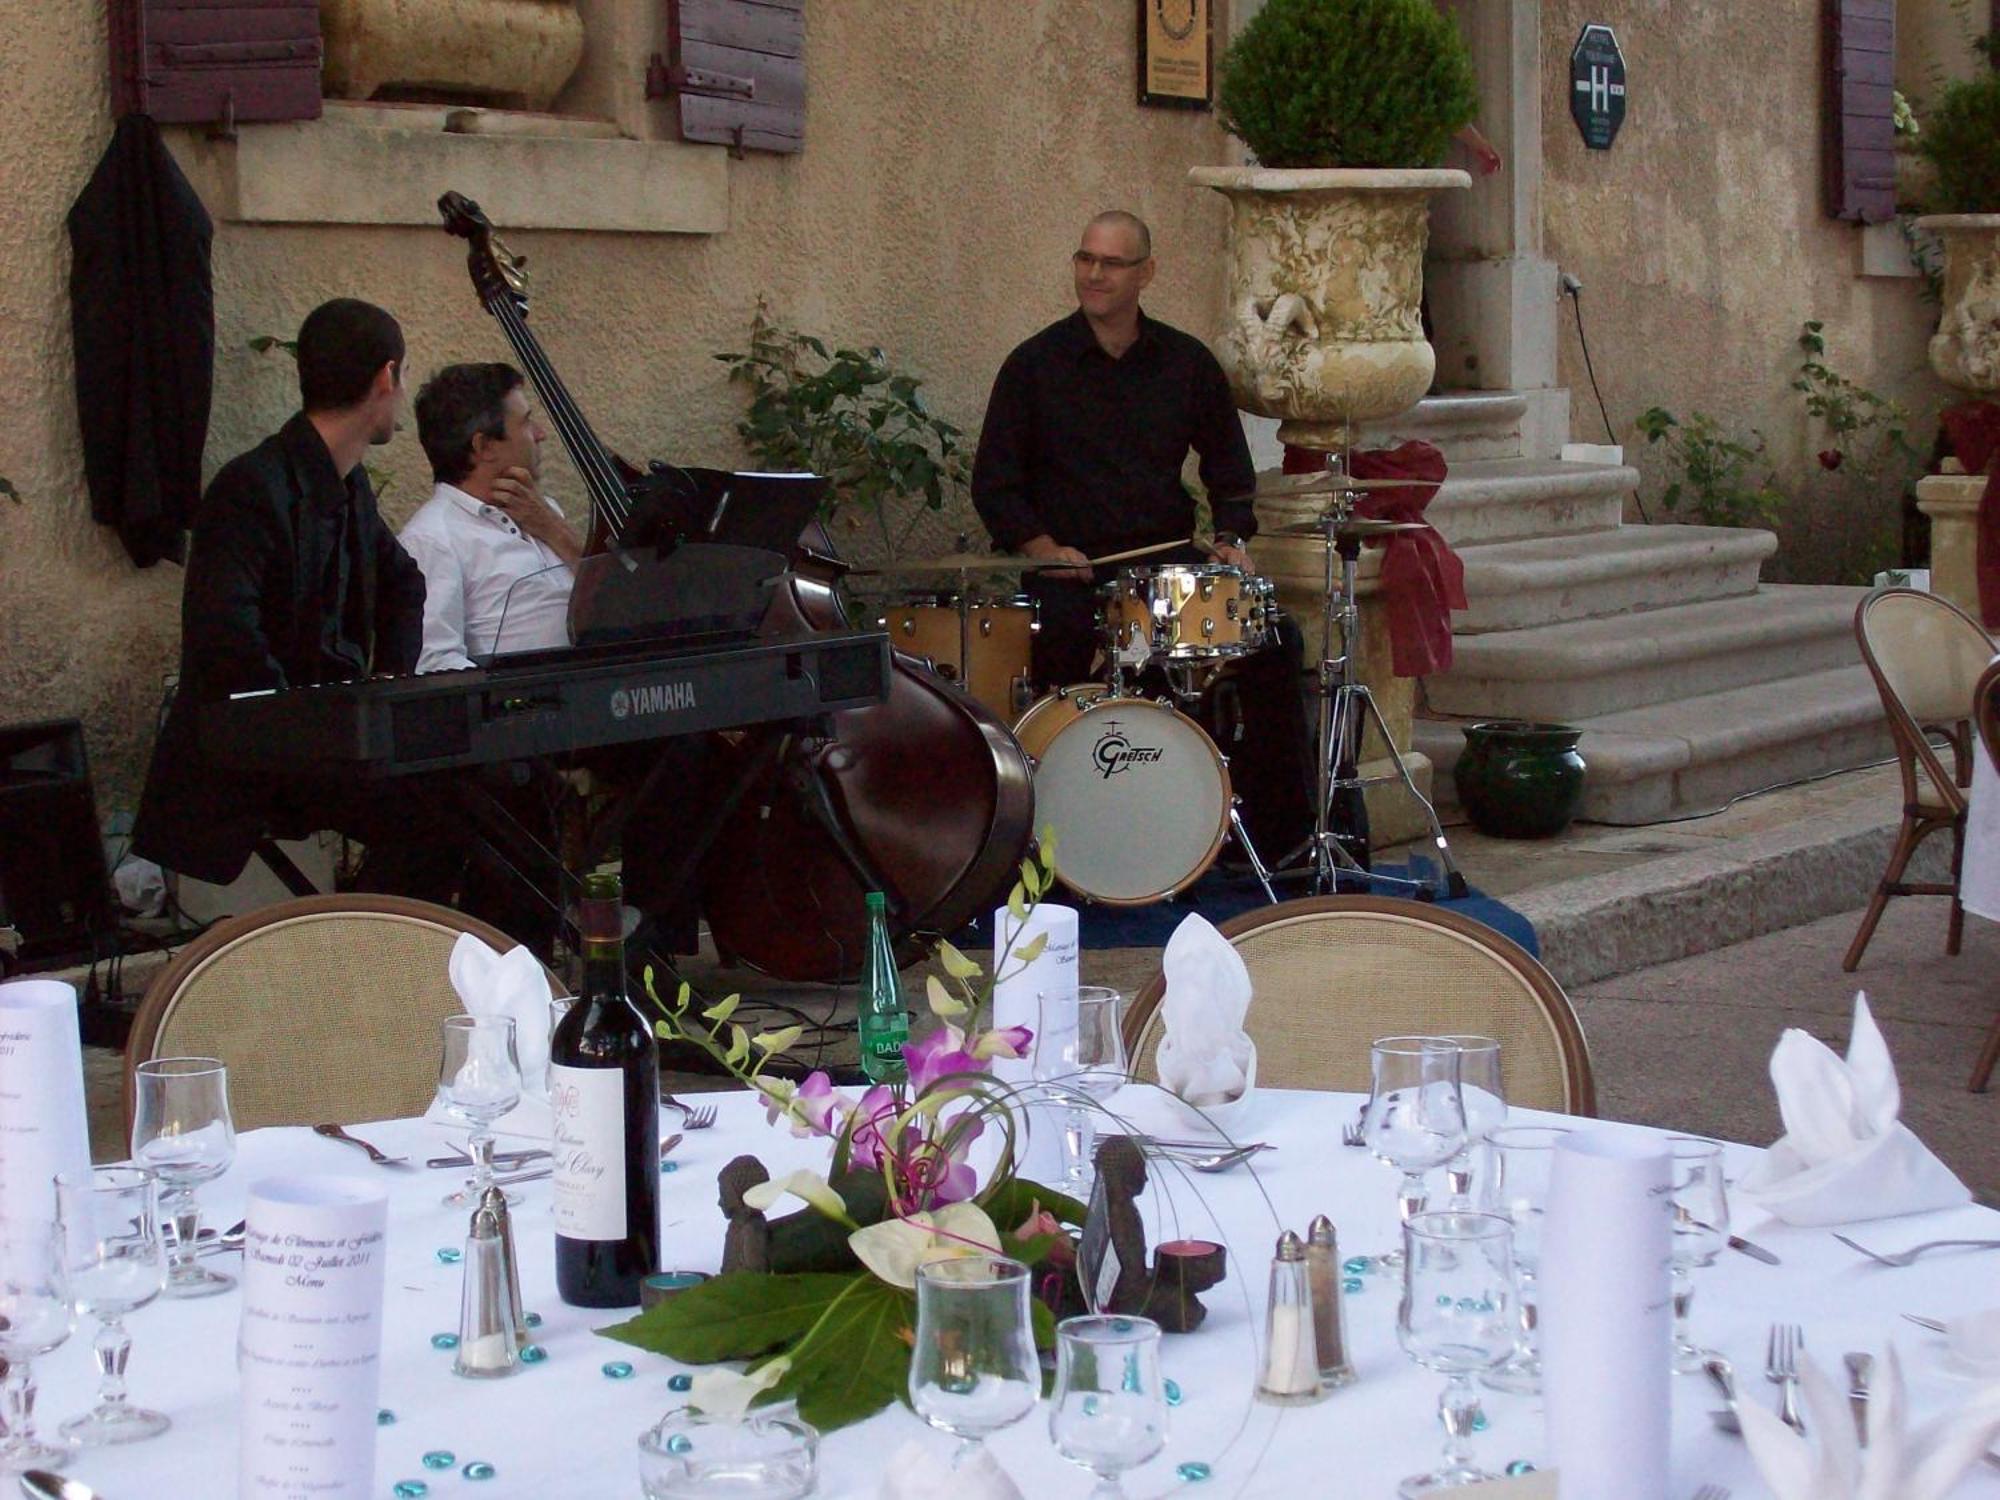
(489, 588)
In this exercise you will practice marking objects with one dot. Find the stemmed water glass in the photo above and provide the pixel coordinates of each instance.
(1089, 1060)
(1456, 1317)
(1700, 1229)
(1110, 1411)
(35, 1316)
(116, 1264)
(1517, 1188)
(182, 1131)
(1415, 1119)
(479, 1080)
(1485, 1101)
(974, 1368)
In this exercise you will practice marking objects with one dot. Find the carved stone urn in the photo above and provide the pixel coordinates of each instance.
(1965, 352)
(1326, 278)
(511, 53)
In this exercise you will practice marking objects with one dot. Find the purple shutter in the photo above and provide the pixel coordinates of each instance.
(228, 62)
(738, 71)
(1859, 147)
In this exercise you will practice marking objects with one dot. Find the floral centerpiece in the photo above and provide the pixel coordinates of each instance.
(821, 1303)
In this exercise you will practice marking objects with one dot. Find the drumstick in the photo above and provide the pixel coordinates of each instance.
(1098, 562)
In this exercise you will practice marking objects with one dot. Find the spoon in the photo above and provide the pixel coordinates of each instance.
(42, 1485)
(1724, 1377)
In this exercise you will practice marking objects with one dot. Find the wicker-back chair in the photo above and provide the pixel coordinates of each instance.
(1986, 715)
(324, 1008)
(1330, 974)
(1925, 654)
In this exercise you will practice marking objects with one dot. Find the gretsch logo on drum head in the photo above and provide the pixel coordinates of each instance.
(1113, 752)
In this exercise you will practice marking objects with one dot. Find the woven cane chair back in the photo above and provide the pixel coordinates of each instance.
(324, 1008)
(1925, 654)
(1330, 974)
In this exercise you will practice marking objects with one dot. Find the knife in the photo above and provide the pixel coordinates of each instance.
(1755, 1252)
(1859, 1368)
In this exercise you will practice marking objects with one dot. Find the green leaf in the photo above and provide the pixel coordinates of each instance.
(1009, 1204)
(739, 1045)
(956, 964)
(777, 1041)
(737, 1315)
(856, 1360)
(722, 1010)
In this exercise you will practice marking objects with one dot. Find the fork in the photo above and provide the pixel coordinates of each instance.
(337, 1133)
(1217, 1161)
(1904, 1257)
(1356, 1134)
(697, 1117)
(1711, 1492)
(1781, 1368)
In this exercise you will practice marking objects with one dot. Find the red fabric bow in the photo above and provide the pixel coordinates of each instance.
(1973, 430)
(1423, 580)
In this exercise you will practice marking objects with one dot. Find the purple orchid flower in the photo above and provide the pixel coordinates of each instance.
(938, 1055)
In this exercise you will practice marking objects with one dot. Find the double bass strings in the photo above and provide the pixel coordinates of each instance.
(598, 474)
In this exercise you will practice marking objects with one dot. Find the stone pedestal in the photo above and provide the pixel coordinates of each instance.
(514, 53)
(1952, 503)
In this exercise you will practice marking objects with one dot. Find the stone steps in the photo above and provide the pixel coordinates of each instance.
(1674, 759)
(1504, 500)
(1467, 425)
(1581, 669)
(1539, 581)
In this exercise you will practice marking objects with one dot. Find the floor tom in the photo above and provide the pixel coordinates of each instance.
(984, 647)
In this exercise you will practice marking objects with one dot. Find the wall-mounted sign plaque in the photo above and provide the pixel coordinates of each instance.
(1597, 87)
(1175, 56)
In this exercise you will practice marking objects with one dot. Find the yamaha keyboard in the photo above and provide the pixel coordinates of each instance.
(543, 703)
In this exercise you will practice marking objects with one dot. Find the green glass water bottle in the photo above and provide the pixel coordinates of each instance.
(885, 1025)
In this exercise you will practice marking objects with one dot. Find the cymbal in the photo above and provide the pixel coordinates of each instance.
(1352, 526)
(957, 562)
(1334, 484)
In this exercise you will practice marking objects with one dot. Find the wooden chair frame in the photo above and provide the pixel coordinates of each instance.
(1986, 714)
(1579, 1082)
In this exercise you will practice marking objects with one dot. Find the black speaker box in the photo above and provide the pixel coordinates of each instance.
(54, 889)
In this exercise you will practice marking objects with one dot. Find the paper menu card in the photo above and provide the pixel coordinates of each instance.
(42, 1125)
(1605, 1299)
(1019, 991)
(310, 1349)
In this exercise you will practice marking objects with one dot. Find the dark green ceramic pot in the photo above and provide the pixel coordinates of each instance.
(1518, 780)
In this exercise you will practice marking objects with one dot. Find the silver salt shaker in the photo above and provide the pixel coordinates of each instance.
(486, 1330)
(1329, 1314)
(1291, 1361)
(496, 1200)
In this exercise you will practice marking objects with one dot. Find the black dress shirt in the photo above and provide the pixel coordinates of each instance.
(1088, 449)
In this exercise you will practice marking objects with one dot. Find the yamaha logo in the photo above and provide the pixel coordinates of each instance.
(1114, 752)
(655, 698)
(621, 704)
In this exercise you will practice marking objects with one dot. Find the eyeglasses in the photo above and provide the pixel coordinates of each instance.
(1083, 260)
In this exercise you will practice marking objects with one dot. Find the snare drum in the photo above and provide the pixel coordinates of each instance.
(1138, 795)
(1186, 612)
(999, 634)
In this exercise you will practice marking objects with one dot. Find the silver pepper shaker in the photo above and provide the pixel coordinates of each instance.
(1291, 1360)
(1329, 1314)
(486, 1331)
(496, 1200)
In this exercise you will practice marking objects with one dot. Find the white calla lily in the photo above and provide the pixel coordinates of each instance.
(809, 1186)
(894, 1248)
(726, 1395)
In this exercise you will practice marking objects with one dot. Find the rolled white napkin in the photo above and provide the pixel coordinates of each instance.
(42, 1119)
(1899, 1463)
(1205, 1057)
(1844, 1155)
(515, 985)
(915, 1473)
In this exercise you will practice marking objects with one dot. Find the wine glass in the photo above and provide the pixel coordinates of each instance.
(1110, 1411)
(1700, 1228)
(1415, 1119)
(1517, 1188)
(1090, 1060)
(1485, 1111)
(35, 1316)
(479, 1080)
(182, 1131)
(116, 1264)
(1457, 1316)
(974, 1368)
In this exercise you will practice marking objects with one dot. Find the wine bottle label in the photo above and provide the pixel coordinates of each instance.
(589, 1152)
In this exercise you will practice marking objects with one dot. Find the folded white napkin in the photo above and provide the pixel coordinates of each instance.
(1899, 1463)
(915, 1473)
(1205, 1057)
(1844, 1155)
(510, 984)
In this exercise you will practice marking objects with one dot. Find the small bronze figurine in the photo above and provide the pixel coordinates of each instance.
(1112, 1267)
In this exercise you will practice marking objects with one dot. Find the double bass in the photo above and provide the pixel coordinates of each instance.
(925, 796)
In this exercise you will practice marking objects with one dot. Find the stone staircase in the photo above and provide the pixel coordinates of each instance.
(1693, 682)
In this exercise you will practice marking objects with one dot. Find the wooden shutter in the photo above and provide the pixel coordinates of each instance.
(1859, 146)
(227, 62)
(738, 71)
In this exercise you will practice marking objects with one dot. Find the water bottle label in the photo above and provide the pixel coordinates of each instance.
(589, 1145)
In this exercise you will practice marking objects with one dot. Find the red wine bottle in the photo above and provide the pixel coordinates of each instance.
(604, 1085)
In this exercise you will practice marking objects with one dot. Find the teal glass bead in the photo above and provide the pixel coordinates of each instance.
(1444, 1299)
(1468, 1305)
(1357, 1265)
(533, 1320)
(1479, 1422)
(450, 1257)
(1194, 1471)
(680, 1382)
(616, 1369)
(1173, 1390)
(680, 1442)
(385, 1418)
(1520, 1466)
(1121, 1325)
(479, 1469)
(1091, 1406)
(444, 1341)
(440, 1458)
(669, 1166)
(410, 1489)
(1353, 1284)
(534, 1354)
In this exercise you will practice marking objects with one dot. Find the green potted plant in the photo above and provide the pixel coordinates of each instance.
(1961, 142)
(1348, 107)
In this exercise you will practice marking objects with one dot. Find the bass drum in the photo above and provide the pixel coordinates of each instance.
(1137, 794)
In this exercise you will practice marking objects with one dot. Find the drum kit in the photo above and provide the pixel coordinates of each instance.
(1136, 789)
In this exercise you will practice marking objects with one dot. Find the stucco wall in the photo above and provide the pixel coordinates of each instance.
(953, 152)
(1702, 245)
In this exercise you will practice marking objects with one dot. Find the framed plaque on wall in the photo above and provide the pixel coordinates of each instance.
(1176, 53)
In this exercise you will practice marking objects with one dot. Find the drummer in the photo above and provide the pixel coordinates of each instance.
(1087, 429)
(1086, 432)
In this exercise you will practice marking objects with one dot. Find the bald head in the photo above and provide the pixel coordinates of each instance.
(1118, 218)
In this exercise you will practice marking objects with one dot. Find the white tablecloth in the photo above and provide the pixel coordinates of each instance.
(562, 1429)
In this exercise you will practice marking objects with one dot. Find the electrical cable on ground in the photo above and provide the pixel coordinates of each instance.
(1573, 289)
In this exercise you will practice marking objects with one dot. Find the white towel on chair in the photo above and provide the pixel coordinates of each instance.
(1979, 877)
